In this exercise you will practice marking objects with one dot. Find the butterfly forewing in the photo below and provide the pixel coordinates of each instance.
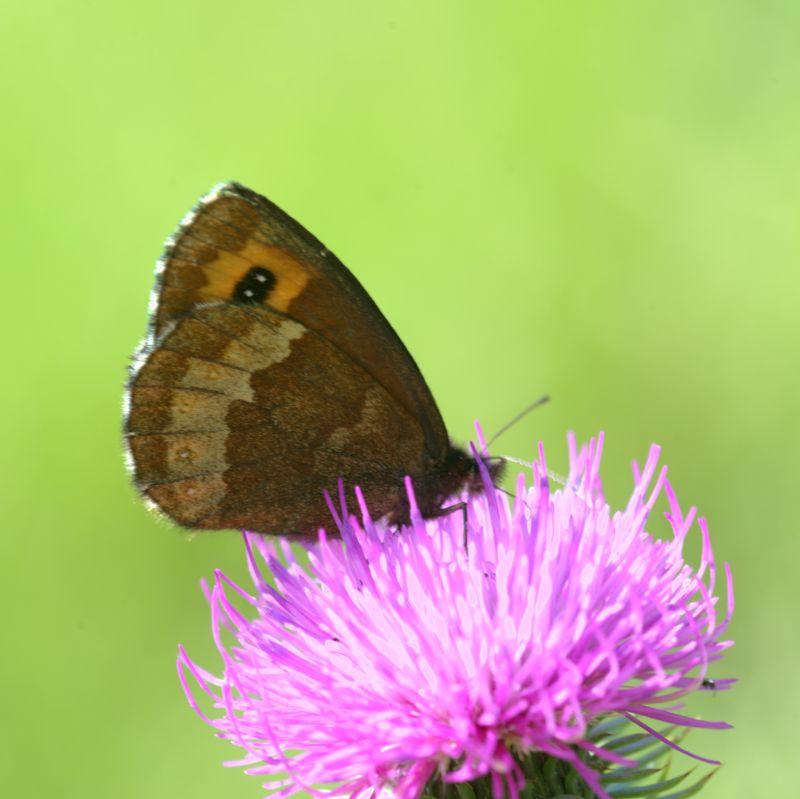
(235, 234)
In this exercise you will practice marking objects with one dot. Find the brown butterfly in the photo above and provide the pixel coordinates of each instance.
(268, 374)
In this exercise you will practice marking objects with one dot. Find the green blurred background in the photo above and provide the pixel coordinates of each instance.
(595, 200)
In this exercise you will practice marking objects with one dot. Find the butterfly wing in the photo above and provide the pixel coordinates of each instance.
(267, 374)
(234, 231)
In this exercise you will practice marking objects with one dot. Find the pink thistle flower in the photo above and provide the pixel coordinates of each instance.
(402, 657)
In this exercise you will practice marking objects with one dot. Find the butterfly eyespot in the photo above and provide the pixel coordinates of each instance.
(255, 286)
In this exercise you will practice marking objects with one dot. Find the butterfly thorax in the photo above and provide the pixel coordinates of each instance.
(441, 484)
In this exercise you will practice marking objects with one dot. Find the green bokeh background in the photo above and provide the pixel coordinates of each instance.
(595, 200)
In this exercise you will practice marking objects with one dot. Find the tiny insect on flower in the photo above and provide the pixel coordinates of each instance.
(400, 657)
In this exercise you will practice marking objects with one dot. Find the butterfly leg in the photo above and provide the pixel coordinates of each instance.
(458, 506)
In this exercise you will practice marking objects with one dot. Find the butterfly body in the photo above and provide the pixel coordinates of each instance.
(268, 374)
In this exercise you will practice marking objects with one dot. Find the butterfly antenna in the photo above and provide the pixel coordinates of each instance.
(554, 476)
(521, 415)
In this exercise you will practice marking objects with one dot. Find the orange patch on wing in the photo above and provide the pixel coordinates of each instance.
(228, 268)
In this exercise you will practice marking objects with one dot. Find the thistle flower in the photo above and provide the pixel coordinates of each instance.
(406, 662)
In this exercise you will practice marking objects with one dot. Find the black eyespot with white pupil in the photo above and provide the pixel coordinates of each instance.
(255, 286)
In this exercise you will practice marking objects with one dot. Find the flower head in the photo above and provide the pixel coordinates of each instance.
(402, 656)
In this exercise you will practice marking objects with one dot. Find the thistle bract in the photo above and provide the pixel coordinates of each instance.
(398, 657)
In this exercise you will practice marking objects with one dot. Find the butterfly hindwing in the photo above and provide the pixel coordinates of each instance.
(241, 415)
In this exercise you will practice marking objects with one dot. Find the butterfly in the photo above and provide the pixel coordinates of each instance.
(268, 375)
